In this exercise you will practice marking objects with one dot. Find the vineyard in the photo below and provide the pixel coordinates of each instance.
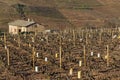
(73, 54)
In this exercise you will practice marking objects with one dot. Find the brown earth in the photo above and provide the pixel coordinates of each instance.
(61, 13)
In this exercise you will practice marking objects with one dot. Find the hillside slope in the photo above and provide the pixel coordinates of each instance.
(60, 13)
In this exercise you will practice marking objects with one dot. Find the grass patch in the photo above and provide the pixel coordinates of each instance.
(46, 12)
(85, 7)
(4, 21)
(77, 4)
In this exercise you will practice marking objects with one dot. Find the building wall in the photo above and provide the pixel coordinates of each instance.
(36, 27)
(13, 29)
(32, 28)
(40, 28)
(23, 29)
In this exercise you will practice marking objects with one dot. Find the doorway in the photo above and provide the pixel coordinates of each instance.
(19, 30)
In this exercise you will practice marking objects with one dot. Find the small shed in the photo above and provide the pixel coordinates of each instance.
(19, 26)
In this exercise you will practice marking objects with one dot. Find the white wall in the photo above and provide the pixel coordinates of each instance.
(33, 28)
(13, 29)
(23, 29)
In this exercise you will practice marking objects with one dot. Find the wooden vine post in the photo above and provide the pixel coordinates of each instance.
(100, 34)
(4, 39)
(60, 52)
(112, 34)
(107, 55)
(84, 51)
(86, 38)
(8, 57)
(47, 39)
(19, 40)
(33, 56)
(74, 37)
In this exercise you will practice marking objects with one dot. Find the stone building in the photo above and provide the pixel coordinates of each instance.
(19, 26)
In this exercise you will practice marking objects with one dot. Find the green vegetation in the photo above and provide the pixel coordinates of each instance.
(1, 33)
(20, 9)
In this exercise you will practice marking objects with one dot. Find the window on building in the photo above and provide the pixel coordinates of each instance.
(19, 30)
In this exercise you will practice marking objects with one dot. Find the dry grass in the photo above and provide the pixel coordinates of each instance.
(61, 12)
